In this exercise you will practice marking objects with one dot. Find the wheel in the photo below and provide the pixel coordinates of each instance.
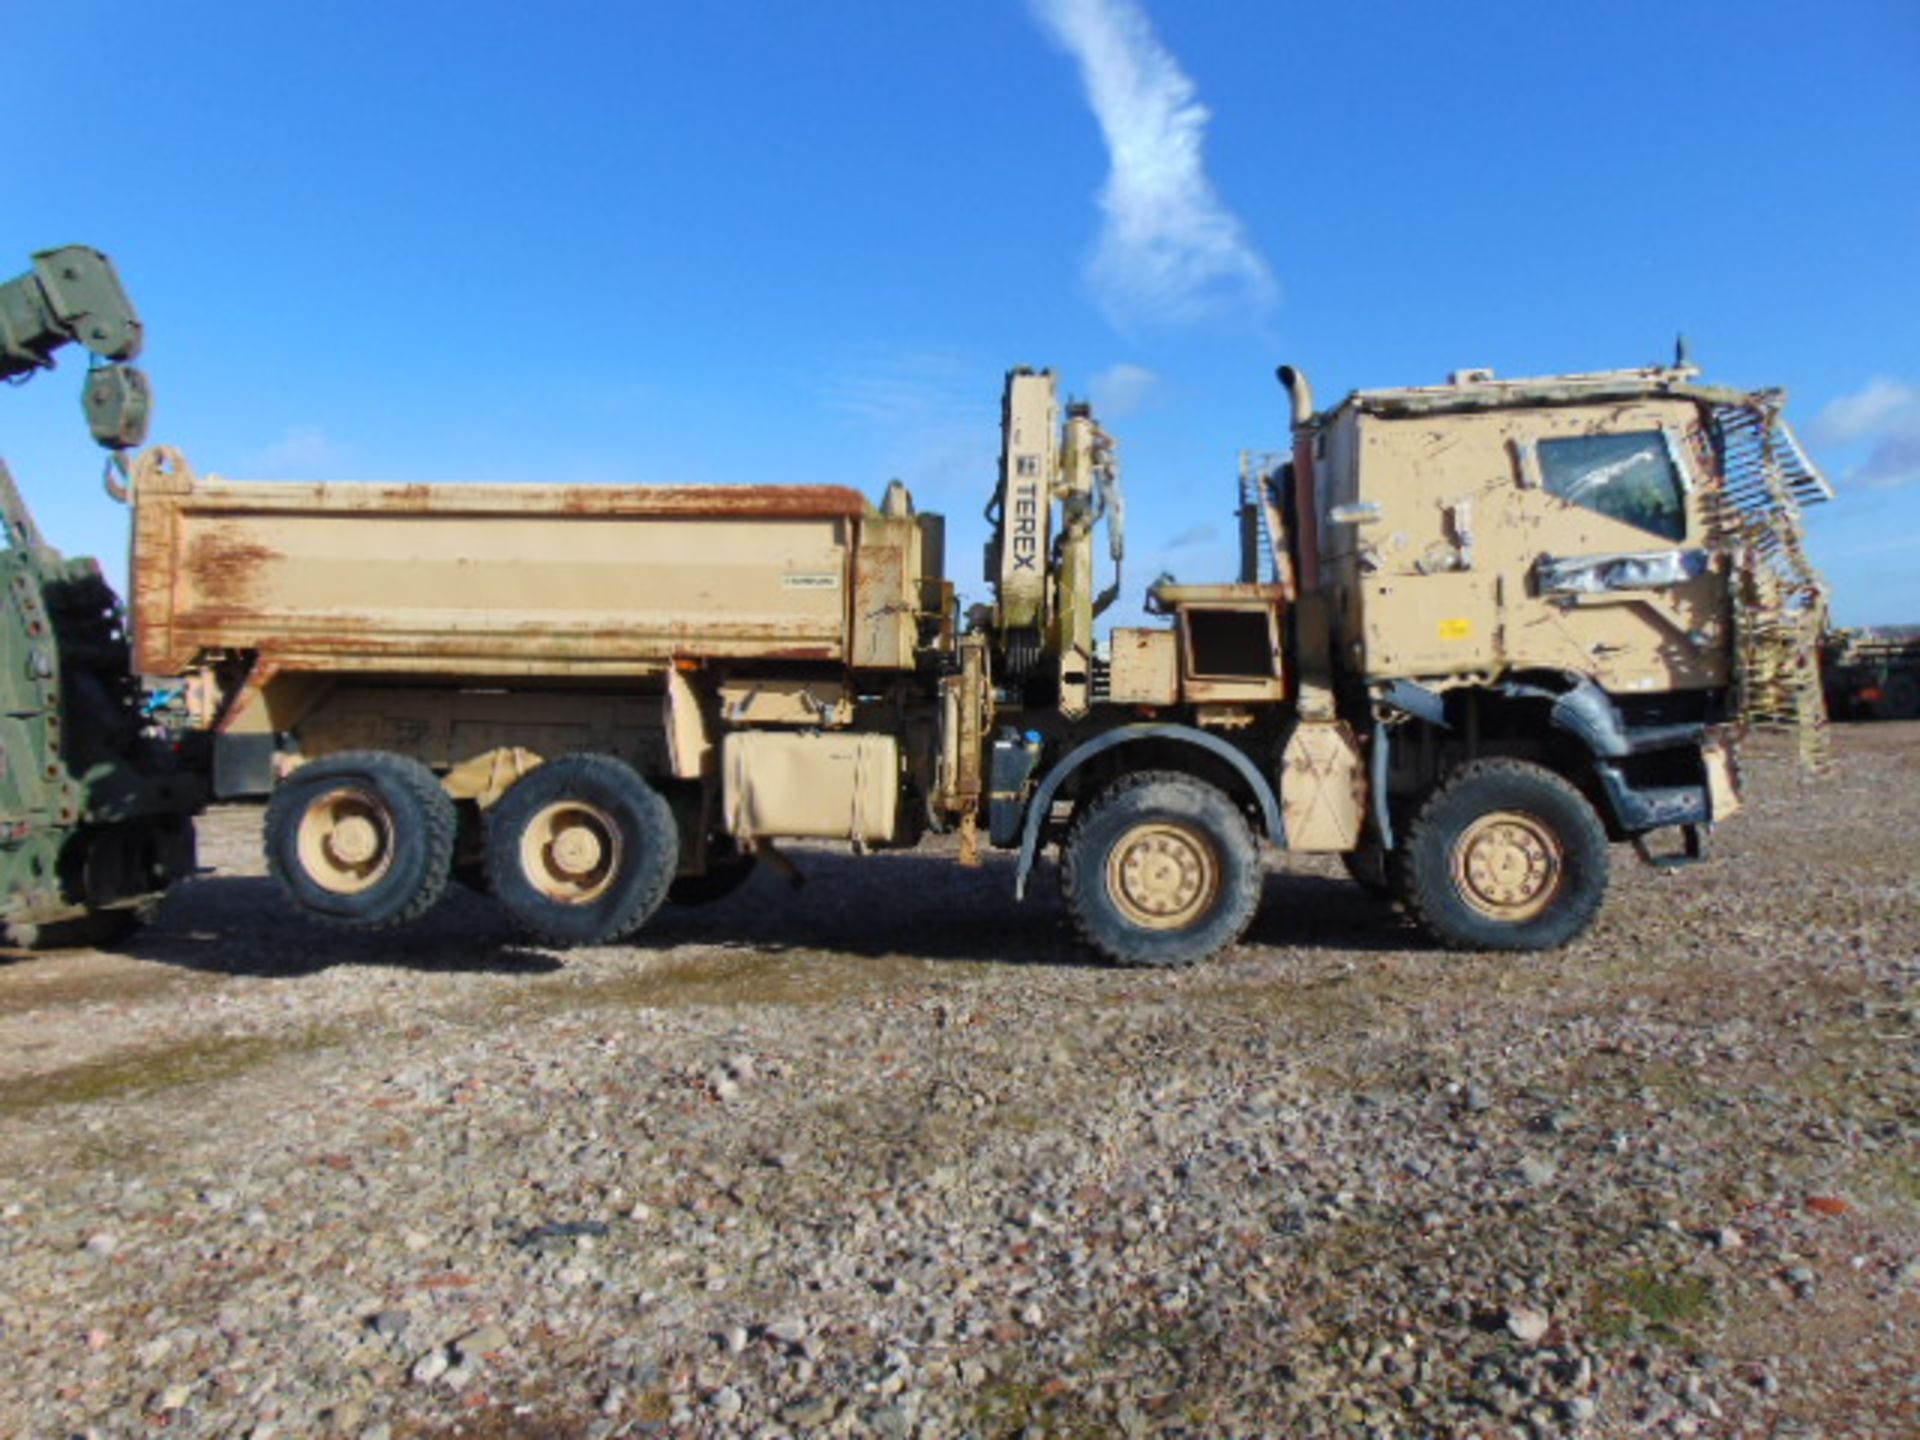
(362, 839)
(581, 850)
(1161, 869)
(723, 876)
(1899, 698)
(1504, 855)
(1368, 869)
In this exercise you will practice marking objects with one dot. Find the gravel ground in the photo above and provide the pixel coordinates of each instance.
(885, 1157)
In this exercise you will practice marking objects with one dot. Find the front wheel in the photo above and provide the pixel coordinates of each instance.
(1161, 870)
(1504, 855)
(581, 850)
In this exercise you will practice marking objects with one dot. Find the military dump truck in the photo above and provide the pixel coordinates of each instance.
(1480, 631)
(1874, 671)
(95, 812)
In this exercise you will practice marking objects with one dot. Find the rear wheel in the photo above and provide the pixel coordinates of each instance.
(1161, 870)
(362, 839)
(581, 850)
(1504, 856)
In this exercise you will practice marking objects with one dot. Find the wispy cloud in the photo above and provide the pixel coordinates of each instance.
(302, 452)
(1170, 253)
(895, 388)
(1884, 418)
(928, 416)
(1123, 389)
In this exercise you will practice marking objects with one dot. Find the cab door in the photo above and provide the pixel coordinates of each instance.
(1621, 585)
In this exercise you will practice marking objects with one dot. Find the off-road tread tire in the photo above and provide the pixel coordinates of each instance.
(424, 825)
(1422, 872)
(1125, 803)
(649, 834)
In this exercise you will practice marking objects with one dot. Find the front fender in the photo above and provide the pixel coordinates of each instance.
(1042, 803)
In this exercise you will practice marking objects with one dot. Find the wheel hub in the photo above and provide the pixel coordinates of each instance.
(577, 851)
(354, 841)
(345, 841)
(1162, 876)
(1508, 865)
(570, 852)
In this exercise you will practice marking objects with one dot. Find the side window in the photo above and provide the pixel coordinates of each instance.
(1629, 477)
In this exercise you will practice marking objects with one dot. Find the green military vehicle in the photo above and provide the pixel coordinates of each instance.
(96, 810)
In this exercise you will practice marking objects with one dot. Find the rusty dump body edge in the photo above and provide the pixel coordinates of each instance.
(214, 495)
(479, 578)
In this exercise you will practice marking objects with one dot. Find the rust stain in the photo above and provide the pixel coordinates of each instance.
(800, 502)
(310, 642)
(776, 501)
(225, 569)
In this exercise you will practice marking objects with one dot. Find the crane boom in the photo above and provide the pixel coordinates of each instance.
(73, 296)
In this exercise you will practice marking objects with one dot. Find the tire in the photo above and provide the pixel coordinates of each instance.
(362, 839)
(1899, 698)
(1160, 870)
(581, 850)
(721, 878)
(1504, 855)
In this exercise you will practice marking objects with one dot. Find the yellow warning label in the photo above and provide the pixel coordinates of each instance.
(1456, 629)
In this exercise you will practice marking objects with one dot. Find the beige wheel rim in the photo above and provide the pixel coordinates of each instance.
(1163, 876)
(570, 852)
(1508, 866)
(346, 840)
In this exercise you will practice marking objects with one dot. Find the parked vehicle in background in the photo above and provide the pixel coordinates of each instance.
(1873, 671)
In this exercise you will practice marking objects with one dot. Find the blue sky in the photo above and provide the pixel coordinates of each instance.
(766, 242)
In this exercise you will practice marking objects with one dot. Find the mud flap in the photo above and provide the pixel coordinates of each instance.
(1693, 848)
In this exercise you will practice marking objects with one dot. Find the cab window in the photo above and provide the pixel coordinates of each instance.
(1629, 477)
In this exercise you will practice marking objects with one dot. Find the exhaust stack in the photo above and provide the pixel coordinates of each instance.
(1299, 392)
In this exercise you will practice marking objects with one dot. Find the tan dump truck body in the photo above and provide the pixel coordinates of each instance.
(516, 580)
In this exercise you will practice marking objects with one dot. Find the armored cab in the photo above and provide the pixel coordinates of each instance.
(1555, 603)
